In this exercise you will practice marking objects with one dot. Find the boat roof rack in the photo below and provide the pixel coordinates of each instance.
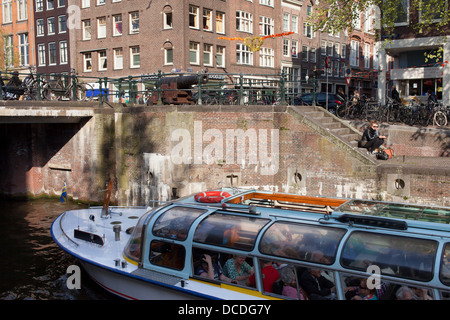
(376, 222)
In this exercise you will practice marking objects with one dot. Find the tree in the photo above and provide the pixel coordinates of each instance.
(338, 15)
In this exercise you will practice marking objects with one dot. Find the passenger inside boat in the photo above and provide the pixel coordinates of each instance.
(206, 266)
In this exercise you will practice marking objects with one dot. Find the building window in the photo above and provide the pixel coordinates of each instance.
(7, 11)
(168, 56)
(50, 4)
(343, 51)
(86, 29)
(207, 19)
(24, 58)
(40, 27)
(312, 55)
(266, 2)
(194, 53)
(134, 22)
(207, 55)
(323, 48)
(62, 26)
(118, 59)
(266, 57)
(117, 25)
(52, 53)
(101, 27)
(167, 20)
(9, 50)
(220, 22)
(39, 5)
(294, 23)
(244, 21)
(41, 54)
(220, 57)
(266, 26)
(243, 54)
(354, 53)
(51, 25)
(193, 17)
(101, 2)
(402, 13)
(366, 55)
(85, 3)
(102, 61)
(294, 48)
(285, 21)
(304, 53)
(337, 51)
(308, 30)
(330, 49)
(87, 62)
(63, 53)
(135, 57)
(61, 3)
(22, 10)
(286, 47)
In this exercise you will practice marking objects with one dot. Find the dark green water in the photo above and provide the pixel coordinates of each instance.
(32, 266)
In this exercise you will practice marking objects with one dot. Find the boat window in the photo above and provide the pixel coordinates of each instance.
(230, 231)
(302, 242)
(133, 248)
(357, 288)
(166, 254)
(445, 266)
(226, 267)
(402, 257)
(175, 222)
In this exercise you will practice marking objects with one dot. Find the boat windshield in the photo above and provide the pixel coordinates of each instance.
(133, 247)
(302, 242)
(230, 231)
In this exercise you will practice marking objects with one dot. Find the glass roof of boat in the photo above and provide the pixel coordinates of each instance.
(396, 210)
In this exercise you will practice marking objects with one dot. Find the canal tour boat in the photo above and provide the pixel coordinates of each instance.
(189, 248)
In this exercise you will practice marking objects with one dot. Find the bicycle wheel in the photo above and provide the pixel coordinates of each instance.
(440, 119)
(341, 110)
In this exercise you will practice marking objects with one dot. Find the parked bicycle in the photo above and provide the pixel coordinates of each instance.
(65, 87)
(441, 115)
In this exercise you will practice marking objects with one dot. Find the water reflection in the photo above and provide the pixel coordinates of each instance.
(33, 267)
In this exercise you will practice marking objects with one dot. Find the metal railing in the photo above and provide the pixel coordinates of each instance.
(156, 88)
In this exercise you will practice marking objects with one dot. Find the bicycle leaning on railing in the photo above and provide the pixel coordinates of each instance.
(66, 87)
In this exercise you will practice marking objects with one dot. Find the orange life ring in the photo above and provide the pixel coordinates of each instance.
(211, 196)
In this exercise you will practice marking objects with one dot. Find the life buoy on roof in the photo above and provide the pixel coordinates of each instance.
(211, 196)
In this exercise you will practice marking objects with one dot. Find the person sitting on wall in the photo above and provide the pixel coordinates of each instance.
(371, 139)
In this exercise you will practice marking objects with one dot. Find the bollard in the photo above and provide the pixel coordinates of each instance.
(117, 229)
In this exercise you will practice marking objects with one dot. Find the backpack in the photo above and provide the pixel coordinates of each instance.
(385, 154)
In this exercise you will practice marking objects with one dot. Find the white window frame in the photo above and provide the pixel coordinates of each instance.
(7, 11)
(207, 19)
(135, 51)
(208, 54)
(266, 57)
(244, 21)
(39, 5)
(9, 50)
(294, 48)
(404, 23)
(51, 26)
(286, 46)
(86, 25)
(286, 18)
(85, 4)
(313, 54)
(50, 56)
(118, 58)
(134, 16)
(62, 25)
(117, 33)
(354, 53)
(167, 61)
(194, 52)
(167, 25)
(102, 58)
(194, 18)
(101, 27)
(305, 57)
(52, 6)
(220, 52)
(41, 54)
(266, 26)
(63, 52)
(243, 55)
(220, 22)
(40, 27)
(294, 23)
(366, 55)
(22, 10)
(87, 57)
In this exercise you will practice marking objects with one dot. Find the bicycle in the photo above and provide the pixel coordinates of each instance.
(64, 89)
(440, 116)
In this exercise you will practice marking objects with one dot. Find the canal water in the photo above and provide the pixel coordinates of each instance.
(32, 266)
